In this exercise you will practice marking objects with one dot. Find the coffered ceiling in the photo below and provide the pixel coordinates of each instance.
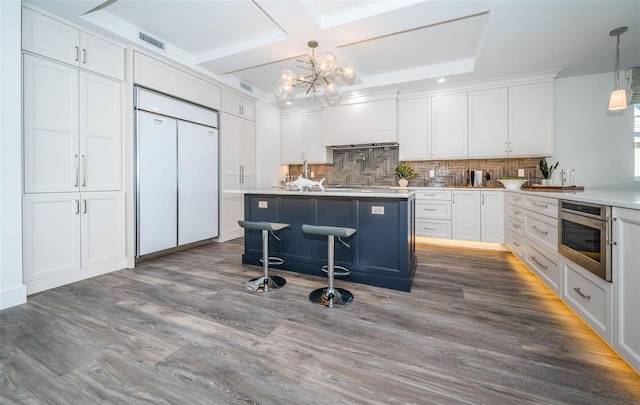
(392, 43)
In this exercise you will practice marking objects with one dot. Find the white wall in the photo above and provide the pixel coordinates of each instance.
(12, 291)
(270, 171)
(589, 138)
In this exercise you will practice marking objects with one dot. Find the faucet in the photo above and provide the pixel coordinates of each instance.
(305, 169)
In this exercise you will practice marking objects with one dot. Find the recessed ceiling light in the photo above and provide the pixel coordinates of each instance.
(355, 93)
(441, 80)
(288, 103)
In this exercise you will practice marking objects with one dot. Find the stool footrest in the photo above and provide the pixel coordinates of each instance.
(338, 271)
(273, 261)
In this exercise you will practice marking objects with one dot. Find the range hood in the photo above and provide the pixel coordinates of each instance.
(366, 145)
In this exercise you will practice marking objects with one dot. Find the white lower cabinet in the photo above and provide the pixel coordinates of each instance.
(589, 296)
(70, 237)
(492, 216)
(465, 215)
(546, 265)
(433, 213)
(626, 284)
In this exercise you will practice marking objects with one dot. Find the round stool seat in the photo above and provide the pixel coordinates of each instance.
(263, 226)
(328, 230)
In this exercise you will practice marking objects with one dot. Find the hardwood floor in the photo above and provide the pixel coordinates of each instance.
(477, 328)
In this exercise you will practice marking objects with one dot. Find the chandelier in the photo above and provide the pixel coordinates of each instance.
(322, 73)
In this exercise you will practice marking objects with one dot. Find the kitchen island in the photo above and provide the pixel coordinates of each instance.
(381, 253)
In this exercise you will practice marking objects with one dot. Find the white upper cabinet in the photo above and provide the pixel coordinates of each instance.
(489, 123)
(414, 128)
(433, 127)
(53, 39)
(531, 119)
(238, 105)
(302, 139)
(449, 126)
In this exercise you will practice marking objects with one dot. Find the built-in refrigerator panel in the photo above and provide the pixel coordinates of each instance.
(197, 182)
(157, 205)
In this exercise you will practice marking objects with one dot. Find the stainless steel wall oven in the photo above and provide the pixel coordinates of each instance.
(584, 235)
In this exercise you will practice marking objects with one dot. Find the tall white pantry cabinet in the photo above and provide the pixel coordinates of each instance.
(73, 203)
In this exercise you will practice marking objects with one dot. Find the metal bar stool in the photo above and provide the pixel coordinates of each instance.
(330, 296)
(266, 282)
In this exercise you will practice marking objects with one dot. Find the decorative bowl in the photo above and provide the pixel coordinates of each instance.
(512, 184)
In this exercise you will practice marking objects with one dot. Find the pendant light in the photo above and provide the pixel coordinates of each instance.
(618, 99)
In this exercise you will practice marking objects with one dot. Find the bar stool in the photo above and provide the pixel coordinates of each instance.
(266, 282)
(330, 296)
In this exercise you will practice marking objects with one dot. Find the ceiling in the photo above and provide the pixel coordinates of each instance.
(392, 44)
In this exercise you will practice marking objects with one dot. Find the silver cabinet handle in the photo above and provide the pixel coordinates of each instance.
(84, 171)
(84, 206)
(535, 204)
(510, 150)
(516, 198)
(482, 197)
(583, 295)
(538, 263)
(505, 147)
(429, 229)
(77, 170)
(453, 198)
(538, 230)
(429, 209)
(84, 55)
(77, 54)
(516, 226)
(77, 207)
(610, 232)
(516, 212)
(516, 244)
(429, 195)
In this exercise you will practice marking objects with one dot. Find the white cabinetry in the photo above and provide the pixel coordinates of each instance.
(531, 119)
(71, 236)
(237, 171)
(72, 129)
(626, 284)
(433, 127)
(238, 105)
(492, 216)
(489, 123)
(465, 215)
(433, 213)
(56, 40)
(302, 139)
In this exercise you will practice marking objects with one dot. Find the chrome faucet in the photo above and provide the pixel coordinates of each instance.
(305, 169)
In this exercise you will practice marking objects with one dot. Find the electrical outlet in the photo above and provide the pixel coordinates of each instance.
(432, 173)
(520, 172)
(262, 204)
(377, 210)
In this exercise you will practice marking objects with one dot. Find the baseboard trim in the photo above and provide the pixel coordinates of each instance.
(13, 296)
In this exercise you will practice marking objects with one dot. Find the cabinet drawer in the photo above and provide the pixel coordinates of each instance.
(516, 212)
(433, 209)
(440, 195)
(542, 230)
(542, 205)
(546, 265)
(515, 199)
(516, 244)
(433, 228)
(513, 225)
(589, 296)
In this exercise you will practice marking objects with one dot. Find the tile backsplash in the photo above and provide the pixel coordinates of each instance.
(376, 167)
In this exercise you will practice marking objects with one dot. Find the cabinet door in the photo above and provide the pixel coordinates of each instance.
(414, 129)
(231, 201)
(626, 284)
(51, 235)
(197, 182)
(314, 149)
(102, 228)
(247, 150)
(489, 123)
(449, 126)
(50, 108)
(237, 105)
(292, 141)
(465, 215)
(531, 120)
(100, 56)
(157, 183)
(492, 216)
(100, 133)
(48, 37)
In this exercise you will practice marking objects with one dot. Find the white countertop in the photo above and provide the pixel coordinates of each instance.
(615, 198)
(373, 192)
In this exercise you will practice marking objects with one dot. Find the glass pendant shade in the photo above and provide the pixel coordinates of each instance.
(349, 72)
(327, 63)
(618, 100)
(287, 77)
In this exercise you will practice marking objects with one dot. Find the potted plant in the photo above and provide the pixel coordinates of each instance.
(547, 171)
(404, 173)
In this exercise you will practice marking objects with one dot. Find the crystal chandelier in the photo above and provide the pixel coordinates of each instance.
(322, 73)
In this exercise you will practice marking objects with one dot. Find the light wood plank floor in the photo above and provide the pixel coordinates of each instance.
(477, 328)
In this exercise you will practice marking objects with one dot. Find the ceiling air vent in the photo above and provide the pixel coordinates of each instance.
(151, 40)
(245, 86)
